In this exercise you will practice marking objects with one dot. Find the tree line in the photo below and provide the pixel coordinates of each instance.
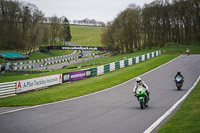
(90, 22)
(23, 26)
(155, 24)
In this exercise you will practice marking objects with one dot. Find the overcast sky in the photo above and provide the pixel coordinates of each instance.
(100, 10)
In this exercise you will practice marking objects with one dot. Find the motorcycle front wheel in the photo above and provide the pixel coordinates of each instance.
(141, 104)
(179, 87)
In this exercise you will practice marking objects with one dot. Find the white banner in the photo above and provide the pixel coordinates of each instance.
(35, 83)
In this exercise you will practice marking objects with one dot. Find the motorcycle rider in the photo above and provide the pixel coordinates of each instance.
(179, 74)
(188, 51)
(138, 83)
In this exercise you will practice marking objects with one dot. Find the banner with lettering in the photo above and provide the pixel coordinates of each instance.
(36, 83)
(77, 75)
(84, 48)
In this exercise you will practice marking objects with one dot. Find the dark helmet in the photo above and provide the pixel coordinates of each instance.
(178, 73)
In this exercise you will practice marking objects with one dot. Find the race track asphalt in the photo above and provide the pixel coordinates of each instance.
(114, 110)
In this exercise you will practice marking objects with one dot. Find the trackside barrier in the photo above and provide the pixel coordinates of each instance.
(130, 61)
(63, 60)
(126, 63)
(7, 88)
(50, 62)
(107, 68)
(58, 61)
(29, 64)
(112, 66)
(46, 59)
(41, 82)
(123, 63)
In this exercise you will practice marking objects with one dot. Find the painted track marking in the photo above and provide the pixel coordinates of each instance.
(159, 120)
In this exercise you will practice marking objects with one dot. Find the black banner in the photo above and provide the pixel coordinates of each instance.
(83, 48)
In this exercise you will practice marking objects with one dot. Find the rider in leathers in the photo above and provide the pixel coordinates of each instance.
(179, 74)
(139, 82)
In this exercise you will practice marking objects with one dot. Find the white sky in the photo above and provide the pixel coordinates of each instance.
(100, 10)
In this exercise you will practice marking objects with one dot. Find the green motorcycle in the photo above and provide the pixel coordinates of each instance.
(142, 97)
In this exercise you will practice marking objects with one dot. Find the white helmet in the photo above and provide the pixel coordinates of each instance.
(138, 80)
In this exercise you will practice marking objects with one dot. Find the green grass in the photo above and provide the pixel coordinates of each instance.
(88, 64)
(8, 74)
(187, 118)
(180, 49)
(174, 49)
(37, 55)
(85, 86)
(86, 35)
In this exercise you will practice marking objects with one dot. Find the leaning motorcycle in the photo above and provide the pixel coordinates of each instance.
(142, 97)
(179, 82)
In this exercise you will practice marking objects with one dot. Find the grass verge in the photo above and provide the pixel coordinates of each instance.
(86, 64)
(86, 35)
(85, 86)
(187, 118)
(36, 55)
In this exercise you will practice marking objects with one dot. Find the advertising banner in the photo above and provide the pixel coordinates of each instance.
(35, 83)
(84, 48)
(77, 75)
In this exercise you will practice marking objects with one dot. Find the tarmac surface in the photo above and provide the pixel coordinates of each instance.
(114, 110)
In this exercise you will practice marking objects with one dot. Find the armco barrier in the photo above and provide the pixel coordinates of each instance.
(7, 88)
